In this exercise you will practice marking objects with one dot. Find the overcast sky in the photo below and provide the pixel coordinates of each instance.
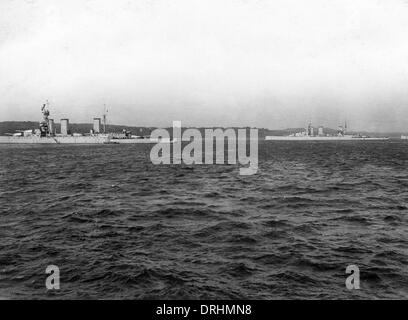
(273, 64)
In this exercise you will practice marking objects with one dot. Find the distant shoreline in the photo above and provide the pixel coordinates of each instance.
(13, 126)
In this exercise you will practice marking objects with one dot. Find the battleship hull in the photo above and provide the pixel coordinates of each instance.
(343, 138)
(55, 140)
(147, 140)
(99, 139)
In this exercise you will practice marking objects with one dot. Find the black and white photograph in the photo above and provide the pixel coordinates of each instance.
(191, 150)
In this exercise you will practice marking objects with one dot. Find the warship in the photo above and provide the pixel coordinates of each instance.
(46, 133)
(309, 134)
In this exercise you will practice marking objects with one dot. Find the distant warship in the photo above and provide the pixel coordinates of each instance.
(46, 133)
(310, 134)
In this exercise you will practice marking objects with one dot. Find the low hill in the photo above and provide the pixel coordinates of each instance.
(9, 127)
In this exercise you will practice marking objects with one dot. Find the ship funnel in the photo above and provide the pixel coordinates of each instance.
(97, 125)
(64, 127)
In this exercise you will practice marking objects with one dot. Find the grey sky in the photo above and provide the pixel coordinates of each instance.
(272, 64)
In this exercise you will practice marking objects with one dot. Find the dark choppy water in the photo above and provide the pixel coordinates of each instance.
(119, 227)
